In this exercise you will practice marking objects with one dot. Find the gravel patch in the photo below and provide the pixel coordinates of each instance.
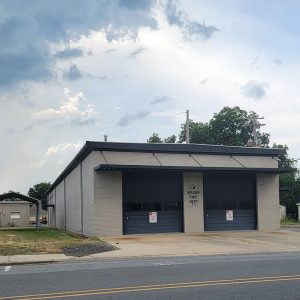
(87, 249)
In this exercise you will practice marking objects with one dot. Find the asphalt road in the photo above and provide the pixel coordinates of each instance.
(256, 276)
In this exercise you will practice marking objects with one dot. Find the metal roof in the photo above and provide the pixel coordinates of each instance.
(162, 148)
(10, 195)
(35, 201)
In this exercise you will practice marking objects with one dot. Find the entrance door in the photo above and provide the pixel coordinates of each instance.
(152, 202)
(229, 202)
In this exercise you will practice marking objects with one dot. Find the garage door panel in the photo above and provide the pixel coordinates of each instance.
(235, 192)
(145, 192)
(166, 222)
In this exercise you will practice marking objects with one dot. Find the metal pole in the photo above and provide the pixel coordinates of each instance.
(187, 127)
(37, 217)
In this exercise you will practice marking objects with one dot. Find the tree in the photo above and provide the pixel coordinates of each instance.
(228, 127)
(154, 139)
(38, 191)
(171, 139)
(200, 133)
(284, 161)
(288, 181)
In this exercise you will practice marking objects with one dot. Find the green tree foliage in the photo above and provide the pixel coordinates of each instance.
(228, 127)
(38, 191)
(199, 133)
(171, 139)
(154, 139)
(289, 182)
(284, 161)
(291, 196)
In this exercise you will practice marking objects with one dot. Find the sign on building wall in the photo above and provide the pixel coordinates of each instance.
(152, 217)
(193, 195)
(229, 215)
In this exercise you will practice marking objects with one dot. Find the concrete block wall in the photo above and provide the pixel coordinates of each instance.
(51, 211)
(90, 218)
(59, 206)
(6, 208)
(193, 202)
(108, 203)
(73, 201)
(267, 189)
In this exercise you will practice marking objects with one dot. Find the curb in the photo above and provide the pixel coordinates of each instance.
(73, 259)
(29, 262)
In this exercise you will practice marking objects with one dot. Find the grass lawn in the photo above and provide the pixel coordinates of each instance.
(289, 222)
(46, 240)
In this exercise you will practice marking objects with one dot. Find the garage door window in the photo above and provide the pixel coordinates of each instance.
(151, 206)
(246, 204)
(212, 205)
(171, 206)
(133, 206)
(229, 204)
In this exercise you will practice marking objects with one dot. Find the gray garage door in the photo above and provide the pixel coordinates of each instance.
(229, 202)
(152, 202)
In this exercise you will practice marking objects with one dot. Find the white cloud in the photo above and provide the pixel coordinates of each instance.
(60, 154)
(73, 109)
(62, 148)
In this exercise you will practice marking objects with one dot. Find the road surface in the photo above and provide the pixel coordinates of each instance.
(243, 276)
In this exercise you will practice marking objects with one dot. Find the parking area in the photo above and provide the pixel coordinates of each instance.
(204, 243)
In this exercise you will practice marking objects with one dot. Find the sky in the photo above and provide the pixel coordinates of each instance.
(74, 70)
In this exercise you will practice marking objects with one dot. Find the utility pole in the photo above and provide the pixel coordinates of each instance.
(187, 127)
(255, 125)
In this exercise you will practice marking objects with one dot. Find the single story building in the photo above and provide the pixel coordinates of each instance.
(111, 189)
(15, 209)
(14, 214)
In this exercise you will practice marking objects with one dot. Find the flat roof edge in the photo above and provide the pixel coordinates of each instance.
(90, 146)
(111, 167)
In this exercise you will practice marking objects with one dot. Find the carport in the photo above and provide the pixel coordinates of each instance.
(14, 195)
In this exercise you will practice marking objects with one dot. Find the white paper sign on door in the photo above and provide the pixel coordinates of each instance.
(152, 217)
(229, 215)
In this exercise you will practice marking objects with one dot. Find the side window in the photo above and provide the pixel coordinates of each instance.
(15, 215)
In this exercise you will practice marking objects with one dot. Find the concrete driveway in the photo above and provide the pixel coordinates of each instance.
(204, 243)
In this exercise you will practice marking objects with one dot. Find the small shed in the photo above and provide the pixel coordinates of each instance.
(15, 210)
(14, 213)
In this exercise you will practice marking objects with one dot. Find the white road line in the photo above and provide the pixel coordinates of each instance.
(168, 263)
(7, 268)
